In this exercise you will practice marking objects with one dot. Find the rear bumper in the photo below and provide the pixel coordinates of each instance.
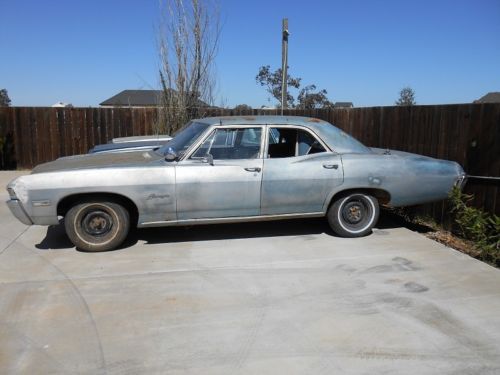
(461, 181)
(17, 210)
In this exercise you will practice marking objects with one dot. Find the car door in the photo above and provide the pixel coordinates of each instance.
(222, 177)
(299, 172)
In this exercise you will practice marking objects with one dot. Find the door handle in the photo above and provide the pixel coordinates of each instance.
(331, 166)
(256, 169)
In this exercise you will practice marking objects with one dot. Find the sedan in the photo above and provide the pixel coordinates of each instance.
(225, 170)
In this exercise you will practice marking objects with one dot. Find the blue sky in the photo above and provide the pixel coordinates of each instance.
(361, 51)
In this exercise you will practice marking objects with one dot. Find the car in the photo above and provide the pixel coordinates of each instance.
(226, 170)
(131, 144)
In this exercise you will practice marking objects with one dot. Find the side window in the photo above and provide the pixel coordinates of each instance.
(238, 143)
(289, 142)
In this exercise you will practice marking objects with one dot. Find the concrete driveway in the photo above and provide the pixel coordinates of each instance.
(270, 298)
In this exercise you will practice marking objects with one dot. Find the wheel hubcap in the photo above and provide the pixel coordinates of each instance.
(353, 212)
(97, 223)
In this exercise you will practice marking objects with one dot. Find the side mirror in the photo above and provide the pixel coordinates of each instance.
(170, 155)
(208, 159)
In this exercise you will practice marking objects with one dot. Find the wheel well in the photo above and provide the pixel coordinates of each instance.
(382, 196)
(66, 203)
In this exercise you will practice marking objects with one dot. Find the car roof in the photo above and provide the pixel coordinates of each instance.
(260, 120)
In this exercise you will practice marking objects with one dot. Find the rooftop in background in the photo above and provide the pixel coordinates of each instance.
(491, 97)
(62, 105)
(134, 98)
(138, 98)
(343, 105)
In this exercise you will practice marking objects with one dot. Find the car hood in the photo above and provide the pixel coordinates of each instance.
(105, 160)
(128, 146)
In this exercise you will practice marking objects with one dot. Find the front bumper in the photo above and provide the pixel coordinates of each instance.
(17, 210)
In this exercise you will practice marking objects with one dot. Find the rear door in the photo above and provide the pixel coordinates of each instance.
(299, 172)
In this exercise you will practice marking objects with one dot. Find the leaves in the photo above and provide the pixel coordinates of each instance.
(406, 97)
(308, 97)
(4, 98)
(477, 225)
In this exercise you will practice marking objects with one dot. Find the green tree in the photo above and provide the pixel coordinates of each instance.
(242, 107)
(406, 97)
(4, 98)
(309, 98)
(272, 82)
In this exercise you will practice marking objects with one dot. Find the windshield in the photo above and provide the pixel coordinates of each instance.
(184, 138)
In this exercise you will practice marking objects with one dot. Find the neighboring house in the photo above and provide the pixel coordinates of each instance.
(343, 105)
(491, 97)
(138, 98)
(62, 105)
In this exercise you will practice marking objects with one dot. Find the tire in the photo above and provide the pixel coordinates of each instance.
(97, 226)
(353, 215)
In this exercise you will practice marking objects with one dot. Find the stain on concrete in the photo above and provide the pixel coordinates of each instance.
(413, 287)
(398, 264)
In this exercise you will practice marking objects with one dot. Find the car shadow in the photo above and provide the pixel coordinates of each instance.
(56, 238)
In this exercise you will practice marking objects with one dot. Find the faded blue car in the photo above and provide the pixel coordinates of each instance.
(229, 169)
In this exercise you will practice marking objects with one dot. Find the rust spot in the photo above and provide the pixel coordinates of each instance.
(249, 118)
(314, 120)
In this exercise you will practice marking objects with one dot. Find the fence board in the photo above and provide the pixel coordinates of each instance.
(466, 133)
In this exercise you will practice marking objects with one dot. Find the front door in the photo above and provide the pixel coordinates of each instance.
(222, 178)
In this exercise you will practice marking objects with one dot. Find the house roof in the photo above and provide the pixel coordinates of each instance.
(491, 97)
(139, 98)
(343, 105)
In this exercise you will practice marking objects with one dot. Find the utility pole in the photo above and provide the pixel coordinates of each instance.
(284, 65)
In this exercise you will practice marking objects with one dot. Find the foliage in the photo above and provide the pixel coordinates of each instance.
(406, 97)
(188, 39)
(4, 98)
(242, 107)
(272, 82)
(478, 226)
(308, 98)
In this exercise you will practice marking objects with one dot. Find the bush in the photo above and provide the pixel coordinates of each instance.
(477, 226)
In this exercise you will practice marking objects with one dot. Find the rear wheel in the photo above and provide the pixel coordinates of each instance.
(97, 226)
(353, 215)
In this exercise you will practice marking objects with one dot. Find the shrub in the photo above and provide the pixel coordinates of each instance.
(478, 226)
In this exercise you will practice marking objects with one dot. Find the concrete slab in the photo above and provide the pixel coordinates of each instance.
(263, 298)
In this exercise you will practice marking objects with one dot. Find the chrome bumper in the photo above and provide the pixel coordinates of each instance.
(461, 181)
(17, 210)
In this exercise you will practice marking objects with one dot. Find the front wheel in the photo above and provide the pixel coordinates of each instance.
(353, 215)
(97, 226)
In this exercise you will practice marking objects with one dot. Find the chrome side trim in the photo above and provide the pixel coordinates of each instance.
(236, 219)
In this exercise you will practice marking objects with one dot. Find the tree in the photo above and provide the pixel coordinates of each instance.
(242, 107)
(4, 98)
(308, 98)
(188, 41)
(272, 83)
(406, 97)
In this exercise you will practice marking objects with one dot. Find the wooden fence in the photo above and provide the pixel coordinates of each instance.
(466, 133)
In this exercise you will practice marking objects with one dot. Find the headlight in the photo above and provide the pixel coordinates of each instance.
(12, 193)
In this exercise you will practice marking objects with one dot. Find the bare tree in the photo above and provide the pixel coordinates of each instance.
(406, 97)
(188, 41)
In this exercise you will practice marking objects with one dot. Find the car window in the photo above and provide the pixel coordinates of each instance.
(237, 143)
(289, 142)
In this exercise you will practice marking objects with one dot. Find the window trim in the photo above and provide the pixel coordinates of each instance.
(213, 128)
(297, 127)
